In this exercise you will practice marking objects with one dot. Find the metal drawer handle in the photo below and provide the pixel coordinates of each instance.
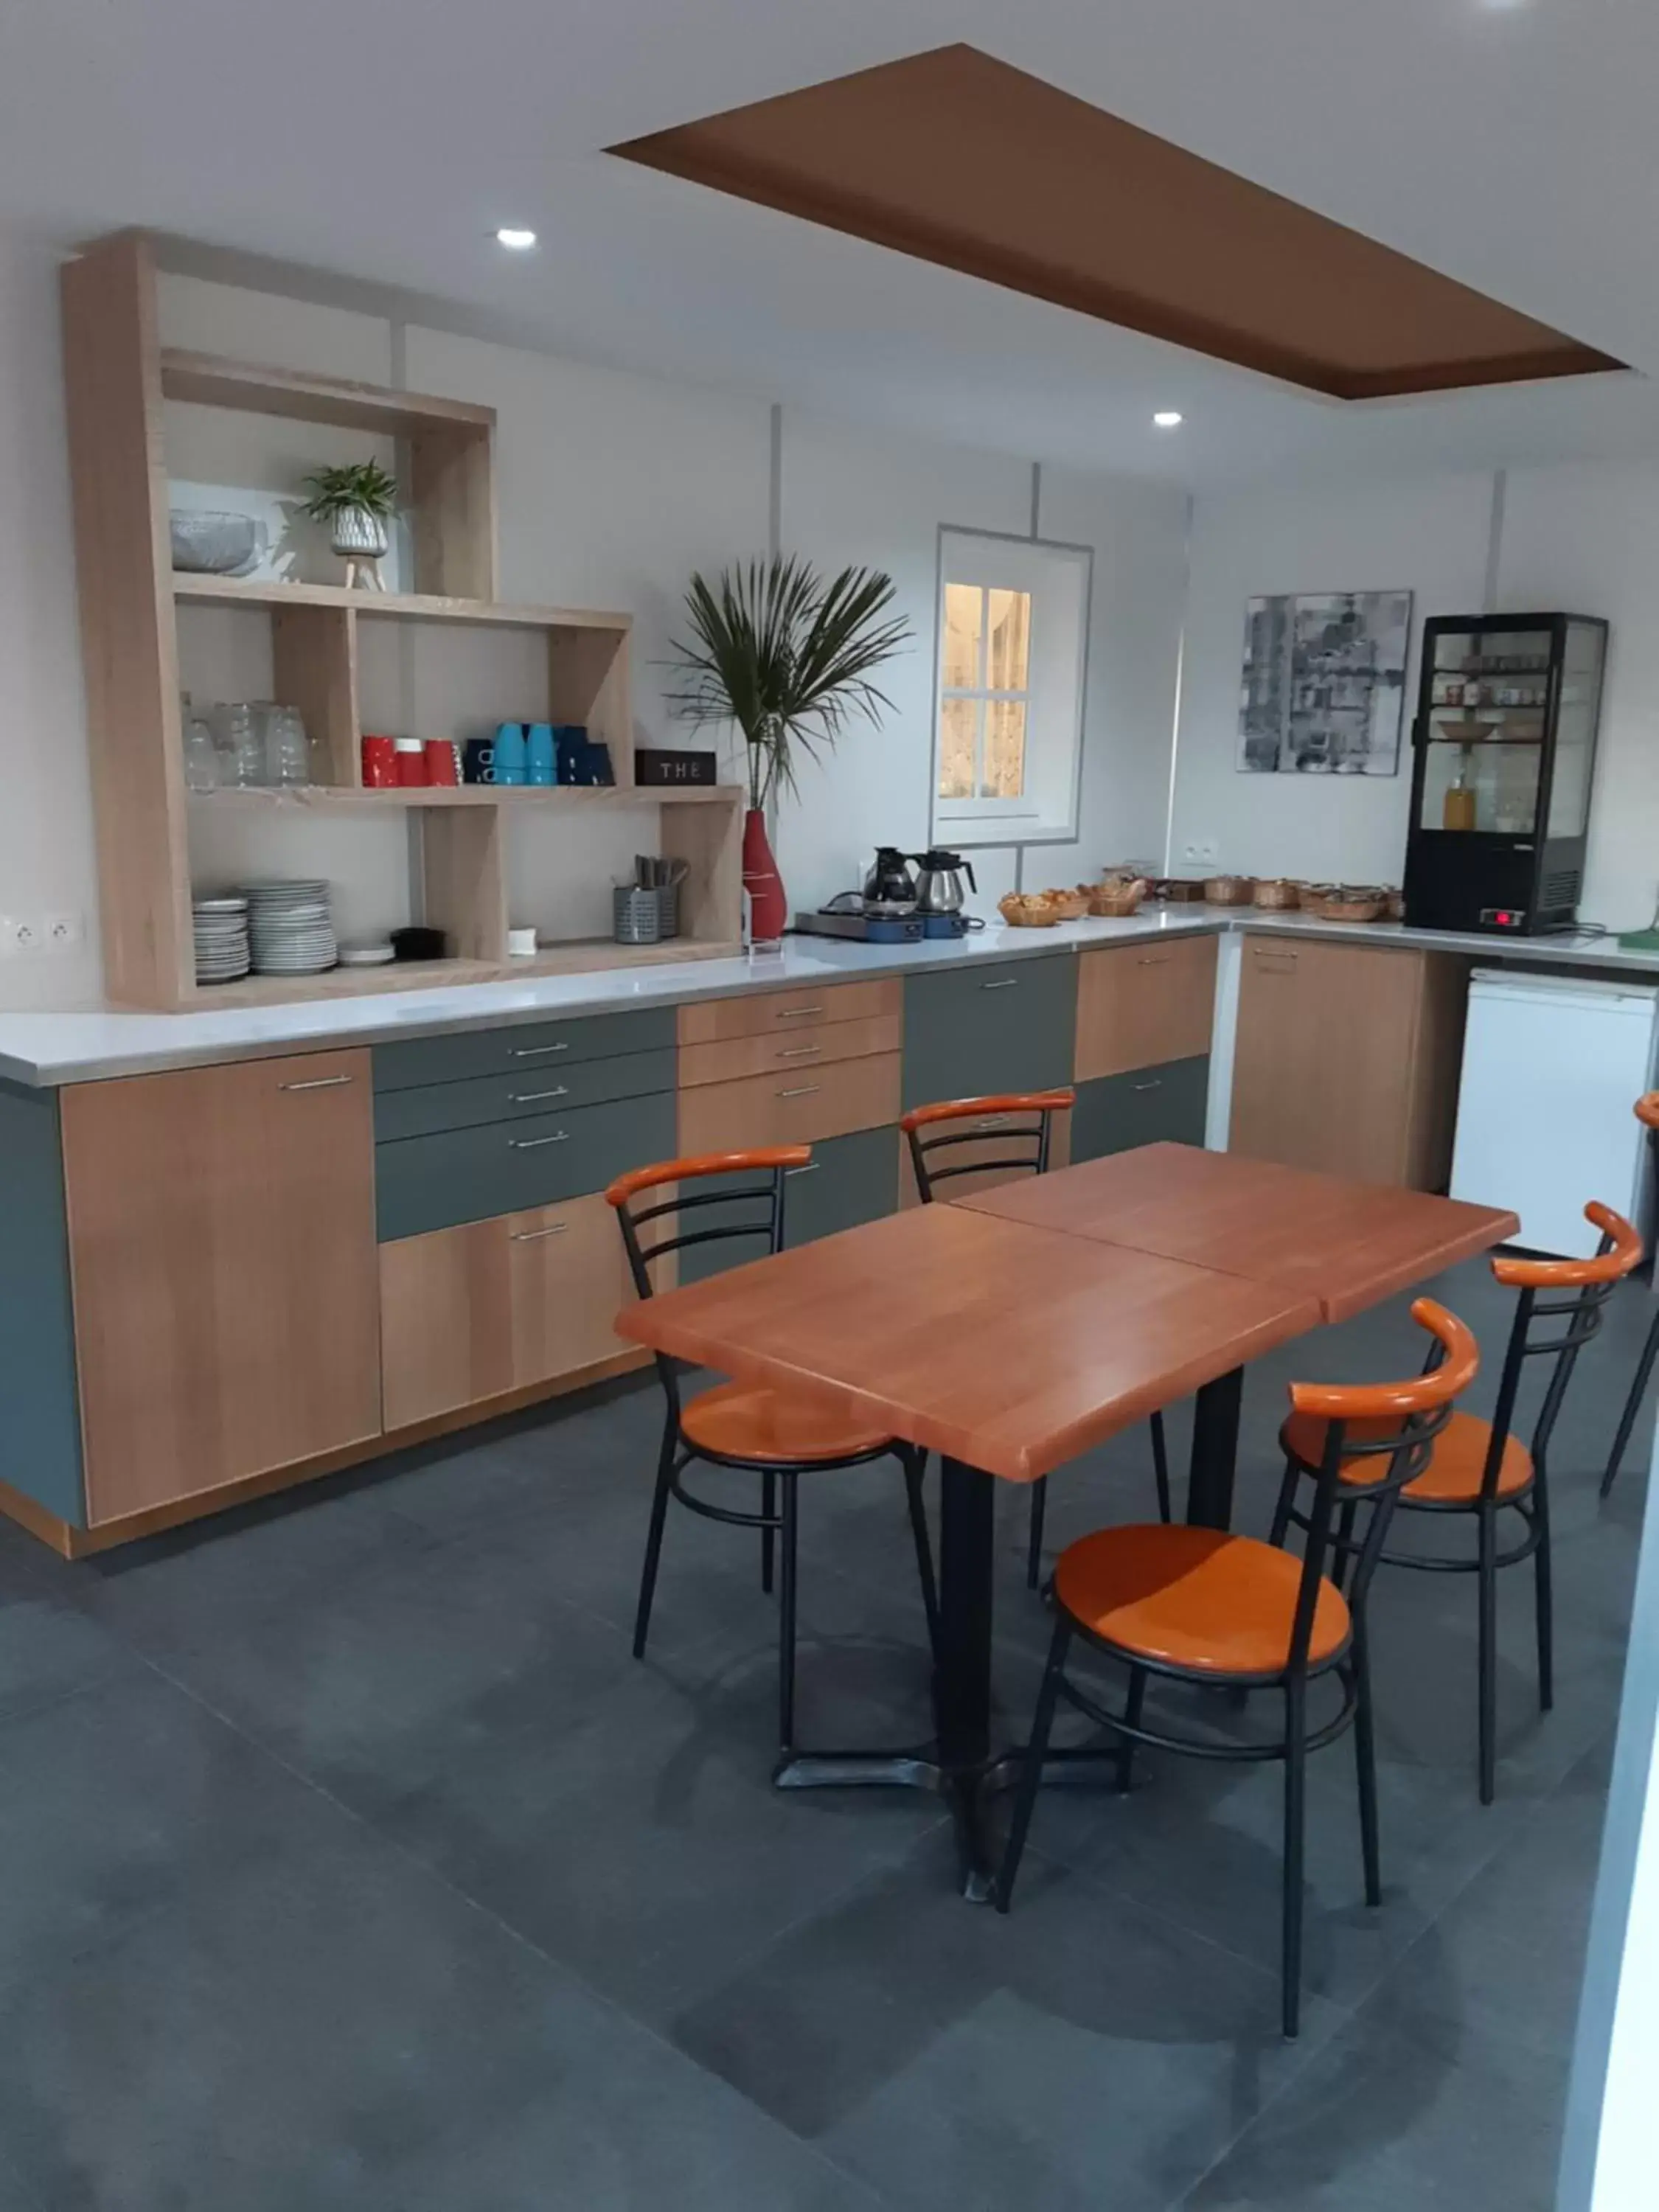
(811, 1168)
(801, 1090)
(534, 1235)
(1283, 965)
(537, 1051)
(1153, 960)
(1005, 983)
(800, 1051)
(318, 1082)
(995, 1122)
(797, 1013)
(531, 1097)
(1156, 1084)
(531, 1143)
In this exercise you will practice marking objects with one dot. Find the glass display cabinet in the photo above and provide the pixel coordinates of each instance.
(1503, 751)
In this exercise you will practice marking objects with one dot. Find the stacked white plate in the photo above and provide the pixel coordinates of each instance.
(291, 928)
(221, 945)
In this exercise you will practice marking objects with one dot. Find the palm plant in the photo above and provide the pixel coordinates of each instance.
(362, 485)
(788, 658)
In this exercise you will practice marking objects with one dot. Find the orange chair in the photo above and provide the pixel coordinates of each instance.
(1003, 1139)
(1480, 1468)
(1199, 1605)
(747, 1426)
(1647, 1113)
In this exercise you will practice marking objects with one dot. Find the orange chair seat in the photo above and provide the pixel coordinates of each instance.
(748, 1421)
(1195, 1598)
(1452, 1476)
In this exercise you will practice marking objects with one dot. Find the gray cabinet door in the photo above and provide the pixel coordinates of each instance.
(848, 1181)
(1001, 1025)
(1148, 1106)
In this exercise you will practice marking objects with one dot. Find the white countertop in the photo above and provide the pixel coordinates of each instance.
(45, 1049)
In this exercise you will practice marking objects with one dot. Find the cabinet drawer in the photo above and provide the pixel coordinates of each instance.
(1144, 1005)
(536, 1088)
(1149, 1106)
(470, 1313)
(801, 1109)
(472, 1175)
(768, 1013)
(521, 1049)
(1005, 1025)
(776, 1053)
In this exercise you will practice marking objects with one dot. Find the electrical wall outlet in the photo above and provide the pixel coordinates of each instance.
(24, 933)
(63, 932)
(1204, 851)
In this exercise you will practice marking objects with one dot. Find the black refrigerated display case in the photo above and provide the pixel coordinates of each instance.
(1504, 754)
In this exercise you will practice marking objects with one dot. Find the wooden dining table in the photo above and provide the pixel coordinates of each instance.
(1010, 1330)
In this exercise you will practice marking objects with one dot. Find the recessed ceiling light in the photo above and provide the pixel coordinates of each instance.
(520, 241)
(1166, 419)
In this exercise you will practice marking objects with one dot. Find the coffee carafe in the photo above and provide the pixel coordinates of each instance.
(938, 881)
(890, 886)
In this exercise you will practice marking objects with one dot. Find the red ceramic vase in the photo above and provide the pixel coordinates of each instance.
(768, 908)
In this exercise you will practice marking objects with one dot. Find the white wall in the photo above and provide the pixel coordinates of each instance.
(1429, 535)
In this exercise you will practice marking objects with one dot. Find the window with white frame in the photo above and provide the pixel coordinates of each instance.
(1013, 620)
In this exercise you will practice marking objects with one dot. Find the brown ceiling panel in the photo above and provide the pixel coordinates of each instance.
(960, 160)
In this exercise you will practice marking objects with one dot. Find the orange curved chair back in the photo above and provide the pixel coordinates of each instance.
(1455, 1357)
(998, 1121)
(1620, 1252)
(1646, 1110)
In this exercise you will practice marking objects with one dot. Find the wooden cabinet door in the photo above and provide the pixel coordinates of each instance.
(1326, 1067)
(1144, 1005)
(570, 1280)
(222, 1242)
(471, 1313)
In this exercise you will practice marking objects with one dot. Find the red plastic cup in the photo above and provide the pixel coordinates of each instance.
(411, 761)
(442, 764)
(380, 763)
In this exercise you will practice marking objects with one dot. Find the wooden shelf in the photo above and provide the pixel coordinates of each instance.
(397, 607)
(571, 798)
(580, 956)
(209, 380)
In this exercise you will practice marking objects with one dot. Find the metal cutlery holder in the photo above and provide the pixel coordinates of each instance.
(646, 917)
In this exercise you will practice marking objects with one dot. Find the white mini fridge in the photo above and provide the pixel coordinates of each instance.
(1551, 1068)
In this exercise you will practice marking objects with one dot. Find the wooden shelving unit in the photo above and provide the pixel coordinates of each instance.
(118, 381)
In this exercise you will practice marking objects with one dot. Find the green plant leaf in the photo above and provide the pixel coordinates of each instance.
(788, 657)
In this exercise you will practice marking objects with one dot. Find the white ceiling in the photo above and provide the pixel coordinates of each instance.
(1511, 145)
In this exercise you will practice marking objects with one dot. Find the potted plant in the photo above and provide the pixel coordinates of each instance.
(788, 658)
(356, 502)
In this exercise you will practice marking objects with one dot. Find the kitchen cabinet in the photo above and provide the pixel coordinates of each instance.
(1145, 1106)
(990, 1026)
(1348, 1058)
(221, 1249)
(1144, 1005)
(799, 1105)
(849, 1180)
(476, 1311)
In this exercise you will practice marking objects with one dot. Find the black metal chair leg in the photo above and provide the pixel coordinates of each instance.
(1341, 1555)
(1296, 1810)
(1486, 1576)
(1364, 1746)
(1133, 1704)
(915, 1473)
(659, 1499)
(770, 1508)
(1633, 1403)
(1034, 1543)
(1161, 1467)
(1544, 1594)
(1042, 1722)
(786, 1618)
(1281, 1526)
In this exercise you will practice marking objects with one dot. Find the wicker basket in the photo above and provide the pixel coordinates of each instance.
(1277, 895)
(1179, 890)
(1021, 911)
(1352, 902)
(1229, 890)
(1117, 901)
(1069, 905)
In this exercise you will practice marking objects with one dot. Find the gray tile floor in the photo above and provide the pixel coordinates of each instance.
(349, 1859)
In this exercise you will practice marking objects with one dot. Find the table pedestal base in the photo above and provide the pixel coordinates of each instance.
(966, 1790)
